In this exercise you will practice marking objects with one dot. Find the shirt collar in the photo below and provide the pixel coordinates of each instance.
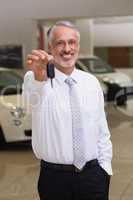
(61, 77)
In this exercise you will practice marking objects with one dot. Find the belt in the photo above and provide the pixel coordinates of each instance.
(68, 168)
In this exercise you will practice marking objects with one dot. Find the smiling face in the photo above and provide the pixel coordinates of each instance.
(64, 47)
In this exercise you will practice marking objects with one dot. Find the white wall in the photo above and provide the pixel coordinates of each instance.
(119, 34)
(17, 17)
(18, 32)
(104, 35)
(85, 27)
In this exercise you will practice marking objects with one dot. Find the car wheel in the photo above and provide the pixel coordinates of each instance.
(121, 100)
(121, 103)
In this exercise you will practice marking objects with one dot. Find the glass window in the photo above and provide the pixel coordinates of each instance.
(10, 83)
(96, 65)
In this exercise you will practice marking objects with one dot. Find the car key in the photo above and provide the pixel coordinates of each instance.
(50, 72)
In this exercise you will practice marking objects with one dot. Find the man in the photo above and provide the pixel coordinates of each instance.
(69, 130)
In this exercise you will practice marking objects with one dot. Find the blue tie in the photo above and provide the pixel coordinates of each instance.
(77, 133)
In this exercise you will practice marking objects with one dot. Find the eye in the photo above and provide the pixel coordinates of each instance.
(60, 43)
(72, 42)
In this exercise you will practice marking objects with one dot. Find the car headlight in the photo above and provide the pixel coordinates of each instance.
(17, 112)
(108, 80)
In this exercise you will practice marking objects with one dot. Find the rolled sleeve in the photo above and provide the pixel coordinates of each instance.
(32, 90)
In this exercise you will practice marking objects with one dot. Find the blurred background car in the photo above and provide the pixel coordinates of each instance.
(115, 84)
(15, 121)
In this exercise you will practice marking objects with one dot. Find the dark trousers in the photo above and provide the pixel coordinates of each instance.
(90, 184)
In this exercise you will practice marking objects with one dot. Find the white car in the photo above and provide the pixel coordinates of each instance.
(15, 122)
(116, 85)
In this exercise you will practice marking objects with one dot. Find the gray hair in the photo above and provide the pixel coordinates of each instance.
(61, 23)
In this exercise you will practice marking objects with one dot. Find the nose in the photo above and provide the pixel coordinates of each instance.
(67, 47)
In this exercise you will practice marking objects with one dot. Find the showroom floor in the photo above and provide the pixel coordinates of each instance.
(19, 168)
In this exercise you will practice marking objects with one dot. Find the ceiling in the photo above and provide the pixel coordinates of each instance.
(51, 9)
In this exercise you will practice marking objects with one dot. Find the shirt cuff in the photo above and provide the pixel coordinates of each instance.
(38, 84)
(107, 167)
(31, 84)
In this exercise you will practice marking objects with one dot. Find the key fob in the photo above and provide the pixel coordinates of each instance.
(50, 70)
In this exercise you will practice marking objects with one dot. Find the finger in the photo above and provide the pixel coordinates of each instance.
(41, 54)
(34, 62)
(29, 62)
(50, 58)
(45, 54)
(33, 57)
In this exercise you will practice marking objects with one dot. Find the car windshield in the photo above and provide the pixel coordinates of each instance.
(96, 65)
(10, 83)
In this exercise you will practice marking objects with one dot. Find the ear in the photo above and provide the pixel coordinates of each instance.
(49, 48)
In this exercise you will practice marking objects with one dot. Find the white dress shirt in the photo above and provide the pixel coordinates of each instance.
(52, 122)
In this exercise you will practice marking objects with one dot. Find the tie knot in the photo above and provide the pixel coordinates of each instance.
(69, 81)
